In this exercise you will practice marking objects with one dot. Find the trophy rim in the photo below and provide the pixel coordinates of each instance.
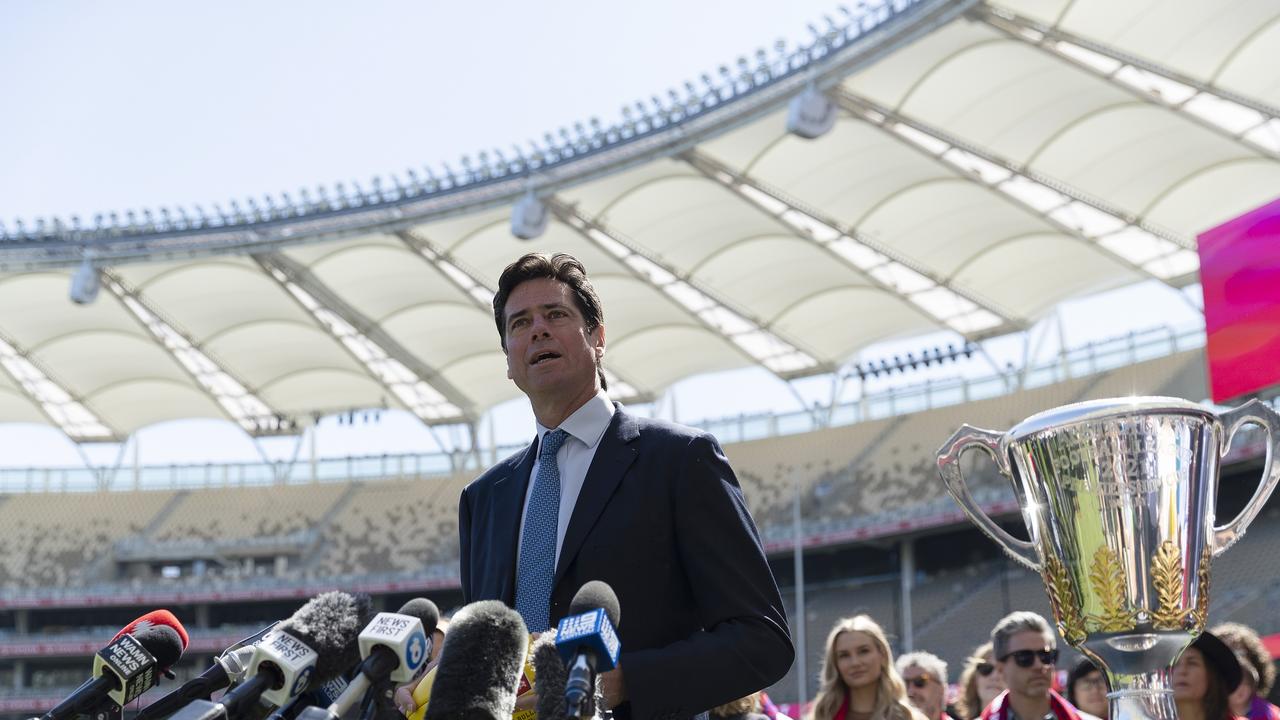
(1105, 408)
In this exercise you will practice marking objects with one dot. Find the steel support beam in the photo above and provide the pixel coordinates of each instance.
(420, 387)
(1247, 121)
(783, 357)
(71, 414)
(230, 392)
(1148, 250)
(481, 295)
(971, 315)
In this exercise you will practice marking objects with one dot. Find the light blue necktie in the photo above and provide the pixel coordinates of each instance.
(537, 566)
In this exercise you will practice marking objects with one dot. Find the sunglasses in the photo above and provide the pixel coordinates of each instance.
(984, 668)
(920, 682)
(1025, 658)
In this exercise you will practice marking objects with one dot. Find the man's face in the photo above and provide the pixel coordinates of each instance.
(924, 690)
(1033, 681)
(549, 351)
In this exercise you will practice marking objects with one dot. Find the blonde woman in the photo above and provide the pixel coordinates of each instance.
(858, 679)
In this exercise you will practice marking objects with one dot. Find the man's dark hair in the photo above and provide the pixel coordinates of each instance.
(562, 267)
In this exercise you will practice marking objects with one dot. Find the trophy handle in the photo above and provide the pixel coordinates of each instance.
(1257, 412)
(949, 468)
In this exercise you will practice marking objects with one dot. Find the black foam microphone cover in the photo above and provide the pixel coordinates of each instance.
(550, 678)
(330, 624)
(480, 664)
(596, 594)
(424, 610)
(163, 642)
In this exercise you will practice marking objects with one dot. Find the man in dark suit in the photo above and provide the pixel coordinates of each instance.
(649, 507)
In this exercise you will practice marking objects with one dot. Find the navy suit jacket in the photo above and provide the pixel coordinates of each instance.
(662, 520)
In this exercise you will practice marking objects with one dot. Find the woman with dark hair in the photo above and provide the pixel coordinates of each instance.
(1203, 679)
(1087, 688)
(979, 683)
(858, 680)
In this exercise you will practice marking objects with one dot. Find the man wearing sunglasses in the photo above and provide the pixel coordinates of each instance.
(926, 677)
(1026, 652)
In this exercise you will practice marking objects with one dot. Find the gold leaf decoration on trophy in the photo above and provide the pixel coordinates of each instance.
(1201, 613)
(1166, 570)
(1063, 601)
(1108, 584)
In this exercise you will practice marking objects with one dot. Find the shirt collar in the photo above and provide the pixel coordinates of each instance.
(587, 423)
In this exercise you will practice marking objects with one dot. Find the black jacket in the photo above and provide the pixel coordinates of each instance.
(662, 520)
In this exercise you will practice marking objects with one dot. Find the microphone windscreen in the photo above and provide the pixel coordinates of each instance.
(153, 618)
(549, 678)
(330, 624)
(424, 610)
(480, 664)
(163, 642)
(596, 594)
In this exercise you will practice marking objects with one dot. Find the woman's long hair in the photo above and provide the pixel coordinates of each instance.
(970, 704)
(891, 692)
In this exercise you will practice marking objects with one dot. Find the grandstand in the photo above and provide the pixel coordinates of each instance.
(866, 487)
(955, 168)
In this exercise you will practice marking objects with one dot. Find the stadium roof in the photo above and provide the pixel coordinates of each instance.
(975, 164)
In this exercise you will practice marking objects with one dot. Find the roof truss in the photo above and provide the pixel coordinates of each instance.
(754, 339)
(421, 388)
(71, 414)
(244, 407)
(1250, 122)
(1151, 251)
(937, 298)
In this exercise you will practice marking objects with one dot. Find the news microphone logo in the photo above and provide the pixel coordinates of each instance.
(131, 664)
(402, 634)
(294, 659)
(589, 630)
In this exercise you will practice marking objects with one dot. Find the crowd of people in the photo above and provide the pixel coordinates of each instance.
(1225, 674)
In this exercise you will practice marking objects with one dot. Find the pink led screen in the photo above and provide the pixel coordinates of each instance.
(1240, 275)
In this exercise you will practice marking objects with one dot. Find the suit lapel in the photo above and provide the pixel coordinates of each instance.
(610, 463)
(508, 506)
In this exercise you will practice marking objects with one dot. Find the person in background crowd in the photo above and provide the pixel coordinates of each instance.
(1026, 652)
(1087, 688)
(1203, 678)
(979, 683)
(1241, 701)
(1248, 646)
(747, 708)
(925, 675)
(858, 680)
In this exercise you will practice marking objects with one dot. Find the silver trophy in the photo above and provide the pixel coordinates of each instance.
(1118, 499)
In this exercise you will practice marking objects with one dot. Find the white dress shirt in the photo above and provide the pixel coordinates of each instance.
(585, 427)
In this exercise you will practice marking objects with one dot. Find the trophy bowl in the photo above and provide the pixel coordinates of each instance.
(1118, 497)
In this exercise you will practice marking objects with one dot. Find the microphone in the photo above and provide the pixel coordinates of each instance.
(228, 669)
(313, 646)
(480, 664)
(128, 666)
(550, 678)
(588, 643)
(394, 646)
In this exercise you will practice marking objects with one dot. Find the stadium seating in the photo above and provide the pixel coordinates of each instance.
(65, 539)
(848, 473)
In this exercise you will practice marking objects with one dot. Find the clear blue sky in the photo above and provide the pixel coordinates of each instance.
(125, 105)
